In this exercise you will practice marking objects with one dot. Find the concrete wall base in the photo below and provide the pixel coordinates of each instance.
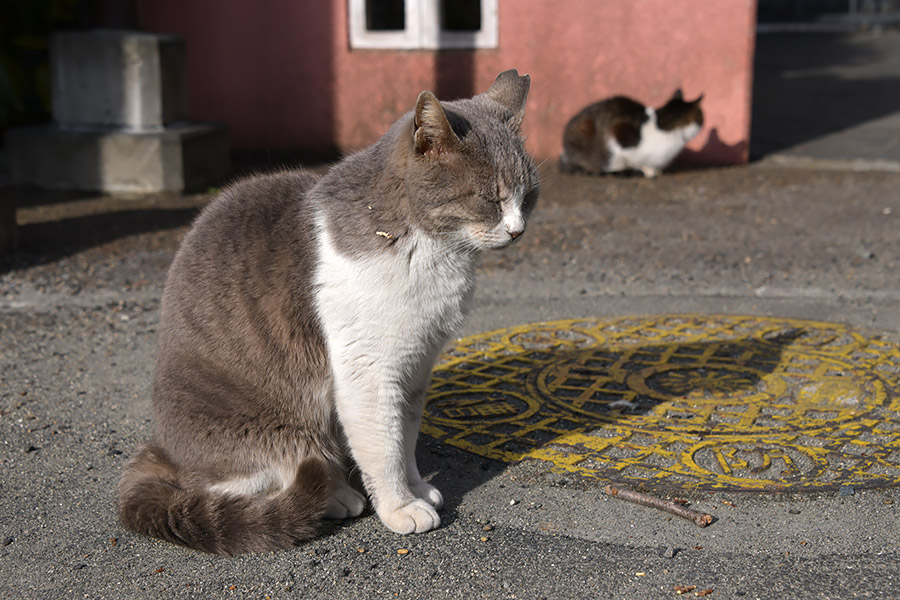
(181, 157)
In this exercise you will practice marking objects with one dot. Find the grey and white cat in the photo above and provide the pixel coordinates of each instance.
(300, 322)
(619, 133)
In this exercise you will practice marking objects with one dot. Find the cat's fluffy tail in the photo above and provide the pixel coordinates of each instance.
(154, 503)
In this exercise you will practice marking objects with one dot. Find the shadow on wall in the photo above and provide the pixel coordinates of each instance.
(810, 85)
(726, 154)
(454, 74)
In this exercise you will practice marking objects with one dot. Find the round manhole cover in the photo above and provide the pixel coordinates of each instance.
(698, 402)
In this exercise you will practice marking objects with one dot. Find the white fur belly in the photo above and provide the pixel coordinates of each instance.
(656, 150)
(387, 311)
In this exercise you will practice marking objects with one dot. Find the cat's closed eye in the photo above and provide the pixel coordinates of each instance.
(530, 200)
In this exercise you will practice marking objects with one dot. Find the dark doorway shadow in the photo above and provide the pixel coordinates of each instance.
(282, 67)
(808, 85)
(480, 403)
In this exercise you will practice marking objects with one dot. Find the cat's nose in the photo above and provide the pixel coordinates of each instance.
(514, 225)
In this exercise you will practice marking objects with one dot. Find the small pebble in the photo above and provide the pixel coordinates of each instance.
(402, 551)
(484, 539)
(668, 552)
(793, 511)
(513, 502)
(7, 541)
(487, 528)
(847, 490)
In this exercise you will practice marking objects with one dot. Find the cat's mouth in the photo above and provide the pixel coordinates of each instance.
(498, 240)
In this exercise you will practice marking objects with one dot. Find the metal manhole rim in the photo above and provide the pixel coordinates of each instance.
(577, 330)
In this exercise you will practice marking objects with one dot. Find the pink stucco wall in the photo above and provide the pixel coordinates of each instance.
(281, 74)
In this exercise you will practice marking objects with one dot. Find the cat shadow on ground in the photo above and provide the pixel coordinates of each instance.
(506, 407)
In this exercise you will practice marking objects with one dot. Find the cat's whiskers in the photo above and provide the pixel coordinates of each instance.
(456, 249)
(547, 176)
(445, 248)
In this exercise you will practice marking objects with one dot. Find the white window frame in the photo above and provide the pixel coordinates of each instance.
(423, 30)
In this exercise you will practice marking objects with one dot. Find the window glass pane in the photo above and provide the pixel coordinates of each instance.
(460, 15)
(385, 15)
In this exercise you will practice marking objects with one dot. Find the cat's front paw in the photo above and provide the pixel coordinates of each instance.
(344, 502)
(416, 517)
(429, 494)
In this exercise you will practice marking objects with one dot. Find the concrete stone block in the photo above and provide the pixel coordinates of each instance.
(107, 78)
(181, 157)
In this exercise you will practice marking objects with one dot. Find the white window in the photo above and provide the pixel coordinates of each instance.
(423, 24)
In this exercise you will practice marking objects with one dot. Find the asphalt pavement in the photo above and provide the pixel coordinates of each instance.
(815, 240)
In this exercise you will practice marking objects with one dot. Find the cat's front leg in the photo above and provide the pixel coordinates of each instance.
(373, 417)
(419, 486)
(413, 423)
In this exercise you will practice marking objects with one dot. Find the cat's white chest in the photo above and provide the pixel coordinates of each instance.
(657, 148)
(390, 305)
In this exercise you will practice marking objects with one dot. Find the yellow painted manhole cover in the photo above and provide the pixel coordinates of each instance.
(678, 401)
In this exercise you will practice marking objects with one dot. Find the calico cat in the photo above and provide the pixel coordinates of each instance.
(300, 322)
(620, 133)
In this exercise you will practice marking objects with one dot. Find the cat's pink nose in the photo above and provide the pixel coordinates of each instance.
(514, 225)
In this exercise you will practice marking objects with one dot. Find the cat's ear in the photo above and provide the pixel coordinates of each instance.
(511, 90)
(699, 98)
(678, 95)
(433, 133)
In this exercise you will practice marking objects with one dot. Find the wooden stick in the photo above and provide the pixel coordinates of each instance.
(700, 519)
